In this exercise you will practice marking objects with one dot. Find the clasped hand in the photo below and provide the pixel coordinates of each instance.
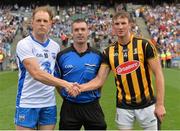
(74, 90)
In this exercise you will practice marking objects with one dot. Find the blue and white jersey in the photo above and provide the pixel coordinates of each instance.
(81, 68)
(32, 93)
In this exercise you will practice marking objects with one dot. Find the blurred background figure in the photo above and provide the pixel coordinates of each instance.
(1, 59)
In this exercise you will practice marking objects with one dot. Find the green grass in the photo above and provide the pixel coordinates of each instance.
(8, 89)
(8, 86)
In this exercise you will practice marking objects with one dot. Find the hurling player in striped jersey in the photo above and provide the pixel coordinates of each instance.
(133, 60)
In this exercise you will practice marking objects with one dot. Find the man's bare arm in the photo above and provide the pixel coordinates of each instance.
(98, 81)
(33, 68)
(159, 80)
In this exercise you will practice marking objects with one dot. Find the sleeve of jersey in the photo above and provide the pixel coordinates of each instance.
(105, 58)
(57, 68)
(57, 71)
(24, 51)
(151, 52)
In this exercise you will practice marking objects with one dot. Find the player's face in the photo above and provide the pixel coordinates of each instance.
(121, 27)
(80, 32)
(41, 23)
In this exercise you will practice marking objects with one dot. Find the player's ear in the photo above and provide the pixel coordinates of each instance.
(51, 22)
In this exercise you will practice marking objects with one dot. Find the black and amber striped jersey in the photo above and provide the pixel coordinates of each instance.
(132, 72)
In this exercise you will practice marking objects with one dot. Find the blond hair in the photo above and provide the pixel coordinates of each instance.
(44, 9)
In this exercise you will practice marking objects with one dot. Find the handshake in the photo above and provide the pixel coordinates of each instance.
(74, 89)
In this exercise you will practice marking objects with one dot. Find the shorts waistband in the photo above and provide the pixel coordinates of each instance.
(76, 103)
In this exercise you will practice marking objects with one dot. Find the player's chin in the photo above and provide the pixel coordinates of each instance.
(42, 32)
(81, 41)
(121, 34)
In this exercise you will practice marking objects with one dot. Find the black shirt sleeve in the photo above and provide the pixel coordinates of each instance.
(105, 57)
(151, 51)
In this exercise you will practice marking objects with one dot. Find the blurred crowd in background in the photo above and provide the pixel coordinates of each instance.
(162, 21)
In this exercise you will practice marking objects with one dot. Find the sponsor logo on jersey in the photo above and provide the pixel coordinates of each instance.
(45, 50)
(69, 69)
(90, 65)
(127, 67)
(68, 66)
(39, 55)
(115, 54)
(135, 51)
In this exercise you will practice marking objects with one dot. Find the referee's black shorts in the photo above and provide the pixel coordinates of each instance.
(74, 115)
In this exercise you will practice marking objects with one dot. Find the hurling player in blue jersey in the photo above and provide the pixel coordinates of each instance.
(80, 63)
(36, 54)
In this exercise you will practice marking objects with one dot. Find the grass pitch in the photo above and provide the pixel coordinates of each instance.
(8, 89)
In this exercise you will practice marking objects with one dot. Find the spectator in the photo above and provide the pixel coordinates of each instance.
(2, 56)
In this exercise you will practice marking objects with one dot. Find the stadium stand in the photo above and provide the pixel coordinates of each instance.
(15, 23)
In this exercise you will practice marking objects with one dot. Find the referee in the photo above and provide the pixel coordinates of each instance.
(80, 63)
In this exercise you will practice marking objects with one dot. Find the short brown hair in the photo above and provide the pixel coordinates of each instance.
(122, 14)
(44, 9)
(79, 21)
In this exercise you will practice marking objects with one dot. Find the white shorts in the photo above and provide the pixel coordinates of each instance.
(125, 118)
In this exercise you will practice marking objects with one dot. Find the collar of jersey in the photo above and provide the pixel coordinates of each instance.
(83, 53)
(131, 37)
(45, 44)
